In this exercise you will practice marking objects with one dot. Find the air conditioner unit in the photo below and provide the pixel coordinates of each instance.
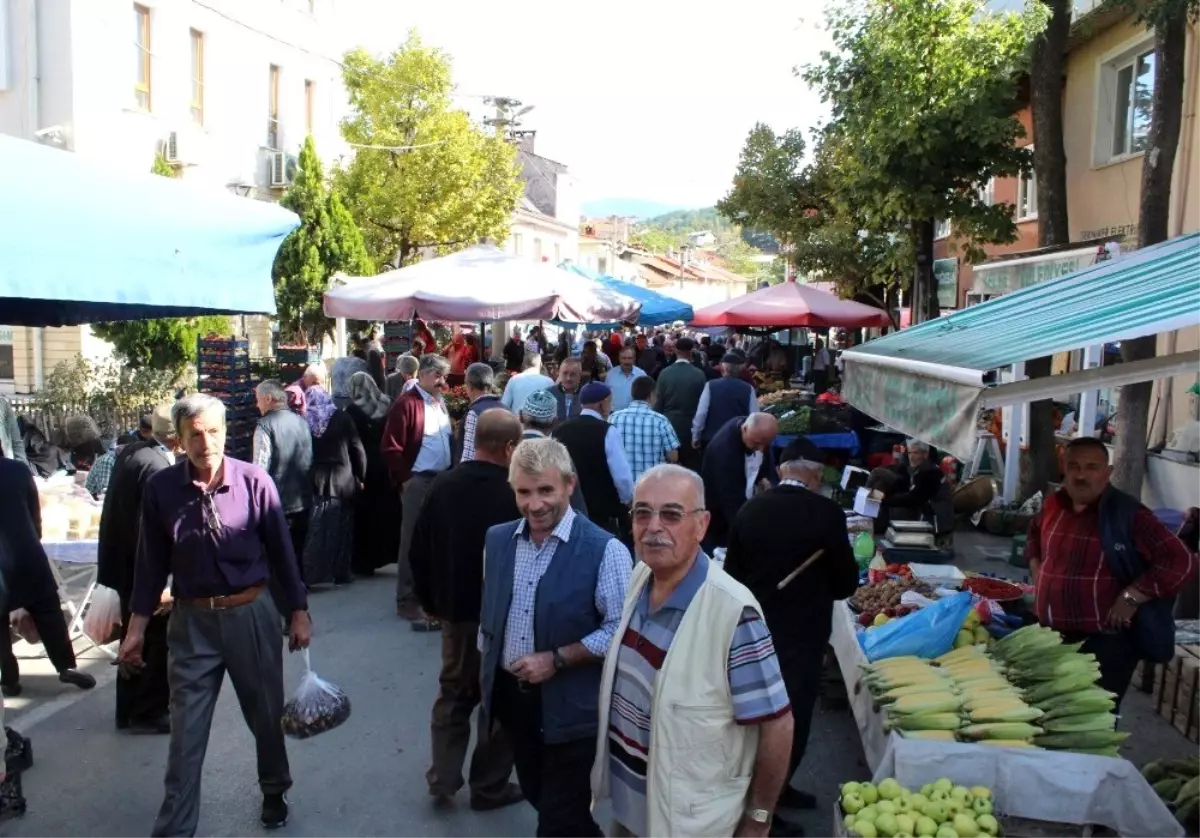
(281, 172)
(175, 149)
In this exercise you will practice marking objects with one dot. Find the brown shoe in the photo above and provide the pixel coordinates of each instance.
(511, 794)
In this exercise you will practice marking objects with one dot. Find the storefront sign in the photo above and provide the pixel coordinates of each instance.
(934, 410)
(945, 272)
(6, 334)
(1003, 277)
(1128, 232)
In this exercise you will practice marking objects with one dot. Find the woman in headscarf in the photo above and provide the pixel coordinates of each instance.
(377, 507)
(295, 398)
(338, 473)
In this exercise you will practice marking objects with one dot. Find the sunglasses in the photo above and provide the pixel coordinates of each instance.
(212, 521)
(670, 516)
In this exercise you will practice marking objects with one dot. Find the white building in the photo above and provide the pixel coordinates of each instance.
(226, 89)
(545, 224)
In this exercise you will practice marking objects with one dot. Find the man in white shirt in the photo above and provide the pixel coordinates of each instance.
(820, 367)
(529, 380)
(621, 379)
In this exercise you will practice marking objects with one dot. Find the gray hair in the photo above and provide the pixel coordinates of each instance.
(916, 445)
(273, 390)
(480, 376)
(197, 404)
(407, 365)
(536, 456)
(433, 362)
(671, 471)
(756, 420)
(532, 360)
(731, 369)
(317, 371)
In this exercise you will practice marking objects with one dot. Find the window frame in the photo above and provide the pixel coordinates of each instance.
(196, 45)
(273, 133)
(142, 91)
(1107, 68)
(310, 105)
(1127, 125)
(987, 193)
(942, 232)
(1026, 187)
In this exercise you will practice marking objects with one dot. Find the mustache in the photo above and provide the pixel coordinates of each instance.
(657, 541)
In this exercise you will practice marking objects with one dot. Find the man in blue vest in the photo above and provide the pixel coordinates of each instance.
(722, 399)
(554, 585)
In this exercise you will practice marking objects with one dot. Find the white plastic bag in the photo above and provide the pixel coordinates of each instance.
(102, 622)
(315, 707)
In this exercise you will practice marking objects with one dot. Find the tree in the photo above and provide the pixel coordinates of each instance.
(423, 175)
(926, 90)
(1048, 58)
(326, 242)
(768, 187)
(167, 344)
(654, 239)
(1169, 20)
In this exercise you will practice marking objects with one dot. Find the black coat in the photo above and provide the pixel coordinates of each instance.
(446, 554)
(724, 473)
(25, 567)
(772, 535)
(339, 459)
(121, 521)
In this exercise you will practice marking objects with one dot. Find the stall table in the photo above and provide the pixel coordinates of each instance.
(74, 565)
(845, 441)
(1029, 783)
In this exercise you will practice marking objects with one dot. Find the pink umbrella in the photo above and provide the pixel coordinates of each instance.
(790, 305)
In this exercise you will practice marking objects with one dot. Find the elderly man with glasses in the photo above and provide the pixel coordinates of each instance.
(216, 527)
(695, 725)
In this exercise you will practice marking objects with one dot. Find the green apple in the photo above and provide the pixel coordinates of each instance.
(866, 829)
(848, 821)
(903, 805)
(927, 789)
(946, 831)
(981, 791)
(869, 793)
(926, 827)
(954, 807)
(987, 824)
(936, 810)
(852, 803)
(885, 824)
(917, 802)
(885, 807)
(939, 795)
(965, 826)
(889, 789)
(903, 834)
(961, 793)
(943, 784)
(981, 806)
(905, 823)
(868, 814)
(849, 788)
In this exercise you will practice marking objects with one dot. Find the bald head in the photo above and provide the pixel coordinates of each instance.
(497, 433)
(759, 431)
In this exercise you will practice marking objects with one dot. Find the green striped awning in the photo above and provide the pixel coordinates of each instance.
(1145, 292)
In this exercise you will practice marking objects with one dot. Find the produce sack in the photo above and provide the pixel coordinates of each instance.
(926, 633)
(315, 707)
(102, 622)
(22, 623)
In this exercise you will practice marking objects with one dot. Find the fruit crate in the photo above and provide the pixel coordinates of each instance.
(1175, 690)
(1010, 827)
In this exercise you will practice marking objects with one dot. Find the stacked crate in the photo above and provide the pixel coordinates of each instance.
(294, 360)
(1175, 689)
(397, 339)
(223, 368)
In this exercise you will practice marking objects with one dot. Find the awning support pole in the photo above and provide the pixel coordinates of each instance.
(1014, 429)
(1088, 408)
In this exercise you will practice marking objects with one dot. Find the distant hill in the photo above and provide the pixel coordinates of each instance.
(625, 207)
(682, 222)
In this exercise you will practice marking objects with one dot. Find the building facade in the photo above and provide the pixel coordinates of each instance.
(545, 225)
(225, 90)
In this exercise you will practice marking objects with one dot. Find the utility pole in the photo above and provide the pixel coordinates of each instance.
(508, 118)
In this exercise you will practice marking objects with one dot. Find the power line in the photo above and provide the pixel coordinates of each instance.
(398, 147)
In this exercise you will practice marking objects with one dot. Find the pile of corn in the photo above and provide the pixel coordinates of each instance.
(1027, 690)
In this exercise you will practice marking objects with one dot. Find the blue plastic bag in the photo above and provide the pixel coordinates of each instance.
(926, 633)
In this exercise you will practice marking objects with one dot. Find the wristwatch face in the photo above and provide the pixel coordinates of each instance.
(759, 815)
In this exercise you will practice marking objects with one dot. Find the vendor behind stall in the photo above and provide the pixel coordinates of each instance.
(916, 492)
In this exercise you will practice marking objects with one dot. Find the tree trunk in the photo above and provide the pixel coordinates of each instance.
(1158, 166)
(1039, 465)
(924, 305)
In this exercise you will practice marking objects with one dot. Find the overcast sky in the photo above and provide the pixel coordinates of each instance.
(649, 99)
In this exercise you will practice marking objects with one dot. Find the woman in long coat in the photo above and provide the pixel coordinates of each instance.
(377, 510)
(338, 473)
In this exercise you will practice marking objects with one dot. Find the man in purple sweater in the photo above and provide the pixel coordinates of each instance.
(216, 526)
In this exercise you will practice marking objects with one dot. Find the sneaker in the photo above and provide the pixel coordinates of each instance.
(274, 811)
(77, 679)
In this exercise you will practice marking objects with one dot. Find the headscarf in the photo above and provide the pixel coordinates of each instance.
(320, 408)
(296, 399)
(365, 394)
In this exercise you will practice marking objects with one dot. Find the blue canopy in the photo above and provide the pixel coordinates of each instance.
(656, 308)
(81, 242)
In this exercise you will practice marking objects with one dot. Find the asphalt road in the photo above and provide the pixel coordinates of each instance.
(364, 778)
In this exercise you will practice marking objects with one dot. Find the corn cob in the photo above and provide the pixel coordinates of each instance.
(995, 700)
(923, 721)
(1072, 699)
(1088, 704)
(1084, 739)
(1111, 751)
(1000, 730)
(972, 665)
(1068, 666)
(935, 735)
(925, 703)
(882, 685)
(1029, 637)
(1068, 684)
(915, 689)
(1190, 789)
(961, 653)
(1007, 743)
(1004, 713)
(1079, 724)
(981, 678)
(1043, 654)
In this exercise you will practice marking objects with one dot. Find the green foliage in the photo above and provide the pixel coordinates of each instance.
(680, 223)
(656, 239)
(768, 188)
(162, 167)
(326, 242)
(452, 186)
(80, 385)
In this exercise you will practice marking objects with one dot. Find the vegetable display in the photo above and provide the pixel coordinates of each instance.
(940, 809)
(1177, 783)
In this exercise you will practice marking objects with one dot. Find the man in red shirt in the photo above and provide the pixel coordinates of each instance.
(1077, 592)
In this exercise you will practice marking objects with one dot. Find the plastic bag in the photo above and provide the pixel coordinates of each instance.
(927, 633)
(22, 623)
(315, 707)
(102, 622)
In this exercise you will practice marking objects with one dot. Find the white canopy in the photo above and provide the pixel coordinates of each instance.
(480, 283)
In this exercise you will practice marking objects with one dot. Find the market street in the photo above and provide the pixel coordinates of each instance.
(365, 778)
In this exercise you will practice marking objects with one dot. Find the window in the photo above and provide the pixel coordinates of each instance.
(987, 192)
(309, 91)
(941, 229)
(1131, 106)
(273, 109)
(602, 266)
(197, 77)
(141, 81)
(537, 250)
(1027, 195)
(6, 362)
(517, 244)
(557, 253)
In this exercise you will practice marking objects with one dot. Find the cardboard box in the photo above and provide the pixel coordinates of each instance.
(1187, 697)
(867, 502)
(854, 478)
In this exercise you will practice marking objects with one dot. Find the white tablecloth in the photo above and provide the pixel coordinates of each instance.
(1037, 784)
(72, 552)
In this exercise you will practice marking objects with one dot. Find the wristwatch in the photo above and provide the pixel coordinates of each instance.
(1130, 599)
(759, 815)
(560, 663)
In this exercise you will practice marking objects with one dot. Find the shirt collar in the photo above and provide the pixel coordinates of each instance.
(789, 481)
(684, 592)
(562, 532)
(225, 469)
(429, 399)
(587, 411)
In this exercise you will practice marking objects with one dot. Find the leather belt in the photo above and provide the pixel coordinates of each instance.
(221, 603)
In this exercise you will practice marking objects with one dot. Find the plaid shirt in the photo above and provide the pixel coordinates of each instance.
(647, 436)
(101, 473)
(529, 567)
(1075, 587)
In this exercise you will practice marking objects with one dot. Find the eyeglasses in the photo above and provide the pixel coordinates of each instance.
(670, 516)
(212, 521)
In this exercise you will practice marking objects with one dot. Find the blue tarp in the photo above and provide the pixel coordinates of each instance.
(656, 308)
(80, 242)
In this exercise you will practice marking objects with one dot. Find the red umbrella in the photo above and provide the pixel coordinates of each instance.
(787, 305)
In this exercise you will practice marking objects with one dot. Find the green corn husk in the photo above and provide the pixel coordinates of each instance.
(1093, 692)
(1079, 724)
(999, 730)
(1083, 706)
(923, 721)
(1084, 739)
(1066, 684)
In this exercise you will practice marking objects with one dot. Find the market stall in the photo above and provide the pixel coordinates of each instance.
(656, 308)
(790, 304)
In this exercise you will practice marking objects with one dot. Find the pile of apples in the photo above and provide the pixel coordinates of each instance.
(940, 810)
